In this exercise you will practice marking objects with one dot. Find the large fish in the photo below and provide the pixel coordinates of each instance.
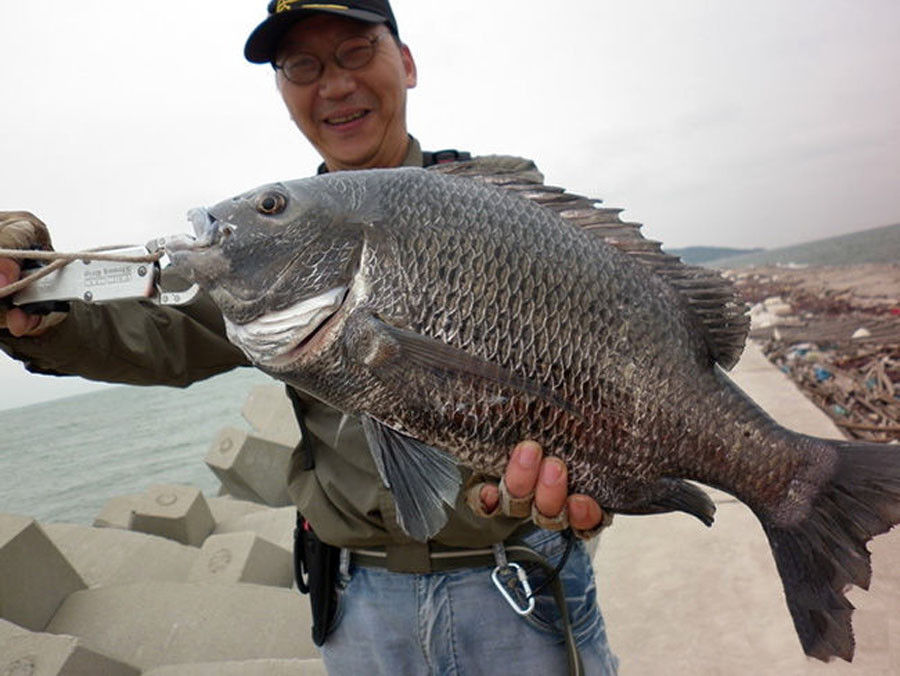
(459, 316)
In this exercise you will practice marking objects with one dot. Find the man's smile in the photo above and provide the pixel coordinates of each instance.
(345, 117)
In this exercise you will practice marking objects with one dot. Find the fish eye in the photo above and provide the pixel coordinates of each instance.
(271, 203)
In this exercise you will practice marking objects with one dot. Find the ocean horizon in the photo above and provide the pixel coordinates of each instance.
(62, 460)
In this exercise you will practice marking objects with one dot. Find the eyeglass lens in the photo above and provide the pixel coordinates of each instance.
(351, 54)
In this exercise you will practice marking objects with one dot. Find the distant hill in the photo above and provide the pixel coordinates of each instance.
(878, 245)
(701, 254)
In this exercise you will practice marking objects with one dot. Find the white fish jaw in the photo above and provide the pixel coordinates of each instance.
(268, 338)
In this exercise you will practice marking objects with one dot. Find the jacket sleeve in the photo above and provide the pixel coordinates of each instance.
(135, 342)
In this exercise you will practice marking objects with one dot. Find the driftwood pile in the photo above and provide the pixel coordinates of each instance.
(840, 346)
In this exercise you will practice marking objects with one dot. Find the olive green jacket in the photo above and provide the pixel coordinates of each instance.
(140, 343)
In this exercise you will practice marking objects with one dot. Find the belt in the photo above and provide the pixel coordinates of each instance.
(422, 559)
(436, 558)
(429, 557)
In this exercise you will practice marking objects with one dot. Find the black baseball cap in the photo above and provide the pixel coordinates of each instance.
(283, 14)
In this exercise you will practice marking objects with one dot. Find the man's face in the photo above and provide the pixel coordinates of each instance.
(356, 119)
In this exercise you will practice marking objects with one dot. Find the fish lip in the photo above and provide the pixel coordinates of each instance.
(207, 232)
(170, 244)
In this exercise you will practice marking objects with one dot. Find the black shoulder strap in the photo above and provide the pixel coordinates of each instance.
(432, 157)
(304, 446)
(429, 158)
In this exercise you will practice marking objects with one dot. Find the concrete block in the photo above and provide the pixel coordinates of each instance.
(9, 629)
(269, 412)
(226, 508)
(250, 467)
(154, 624)
(275, 525)
(179, 513)
(104, 556)
(245, 668)
(32, 654)
(243, 557)
(117, 512)
(35, 578)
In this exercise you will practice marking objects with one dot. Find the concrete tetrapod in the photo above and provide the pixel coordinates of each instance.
(179, 513)
(107, 556)
(275, 525)
(226, 508)
(117, 512)
(250, 467)
(243, 557)
(270, 413)
(151, 624)
(27, 653)
(35, 578)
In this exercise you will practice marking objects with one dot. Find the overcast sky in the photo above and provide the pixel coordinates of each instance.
(713, 122)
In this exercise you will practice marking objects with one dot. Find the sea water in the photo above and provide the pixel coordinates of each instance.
(62, 460)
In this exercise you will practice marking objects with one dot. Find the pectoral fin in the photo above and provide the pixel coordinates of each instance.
(421, 478)
(391, 352)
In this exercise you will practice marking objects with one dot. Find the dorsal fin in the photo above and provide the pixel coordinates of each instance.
(714, 300)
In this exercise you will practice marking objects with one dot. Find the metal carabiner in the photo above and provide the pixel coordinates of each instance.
(513, 573)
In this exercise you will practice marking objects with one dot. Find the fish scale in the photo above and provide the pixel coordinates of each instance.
(529, 285)
(474, 316)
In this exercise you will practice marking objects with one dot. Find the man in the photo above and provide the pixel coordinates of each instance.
(343, 74)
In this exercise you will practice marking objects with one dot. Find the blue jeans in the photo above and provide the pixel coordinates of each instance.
(458, 623)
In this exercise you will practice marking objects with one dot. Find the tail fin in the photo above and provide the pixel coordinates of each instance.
(819, 557)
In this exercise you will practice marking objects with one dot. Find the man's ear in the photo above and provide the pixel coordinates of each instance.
(409, 65)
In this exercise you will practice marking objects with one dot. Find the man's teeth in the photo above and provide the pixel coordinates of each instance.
(346, 118)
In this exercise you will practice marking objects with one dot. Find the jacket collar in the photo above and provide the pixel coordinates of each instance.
(413, 157)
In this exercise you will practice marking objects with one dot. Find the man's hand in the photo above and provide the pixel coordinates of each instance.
(529, 471)
(22, 230)
(18, 322)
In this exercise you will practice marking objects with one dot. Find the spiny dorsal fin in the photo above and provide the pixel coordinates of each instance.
(714, 300)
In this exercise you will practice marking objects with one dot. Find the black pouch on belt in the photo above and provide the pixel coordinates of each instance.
(316, 567)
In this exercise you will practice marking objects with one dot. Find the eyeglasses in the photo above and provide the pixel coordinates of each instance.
(303, 68)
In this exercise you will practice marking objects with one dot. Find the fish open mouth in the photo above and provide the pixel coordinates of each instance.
(273, 339)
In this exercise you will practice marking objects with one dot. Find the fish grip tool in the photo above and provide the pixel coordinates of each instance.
(53, 278)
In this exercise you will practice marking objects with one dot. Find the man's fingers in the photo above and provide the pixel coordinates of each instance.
(21, 324)
(490, 497)
(584, 512)
(517, 485)
(483, 498)
(23, 230)
(523, 469)
(9, 272)
(552, 487)
(539, 486)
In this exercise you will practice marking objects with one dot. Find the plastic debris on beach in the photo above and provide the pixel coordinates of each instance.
(836, 333)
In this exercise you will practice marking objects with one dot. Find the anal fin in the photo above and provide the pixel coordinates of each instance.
(676, 495)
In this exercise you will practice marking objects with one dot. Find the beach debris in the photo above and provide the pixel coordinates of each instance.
(841, 346)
